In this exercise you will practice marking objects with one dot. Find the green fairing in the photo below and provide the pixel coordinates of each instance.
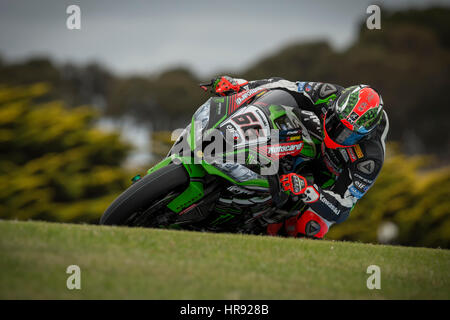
(194, 191)
(325, 100)
(276, 112)
(226, 111)
(192, 194)
(308, 150)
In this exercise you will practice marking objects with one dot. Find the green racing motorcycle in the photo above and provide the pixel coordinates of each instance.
(222, 173)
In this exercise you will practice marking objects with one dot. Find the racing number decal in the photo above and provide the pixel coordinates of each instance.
(245, 118)
(248, 121)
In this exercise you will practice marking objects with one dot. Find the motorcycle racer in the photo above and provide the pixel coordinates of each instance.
(349, 125)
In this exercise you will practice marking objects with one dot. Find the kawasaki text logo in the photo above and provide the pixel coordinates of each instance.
(330, 205)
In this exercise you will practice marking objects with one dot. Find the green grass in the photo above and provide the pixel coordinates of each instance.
(126, 263)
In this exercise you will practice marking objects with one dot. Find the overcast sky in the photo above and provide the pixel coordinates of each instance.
(150, 36)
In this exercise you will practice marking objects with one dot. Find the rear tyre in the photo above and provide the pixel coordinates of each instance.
(141, 195)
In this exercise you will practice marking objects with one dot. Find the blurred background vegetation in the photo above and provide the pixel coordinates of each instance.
(58, 164)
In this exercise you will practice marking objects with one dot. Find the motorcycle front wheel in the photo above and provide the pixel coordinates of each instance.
(144, 193)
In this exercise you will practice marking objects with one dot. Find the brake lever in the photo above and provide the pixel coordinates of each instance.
(205, 86)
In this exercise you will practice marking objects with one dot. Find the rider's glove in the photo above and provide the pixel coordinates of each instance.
(225, 85)
(293, 183)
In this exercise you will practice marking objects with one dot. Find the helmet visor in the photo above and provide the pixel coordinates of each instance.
(338, 135)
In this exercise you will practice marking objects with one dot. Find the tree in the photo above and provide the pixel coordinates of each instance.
(55, 165)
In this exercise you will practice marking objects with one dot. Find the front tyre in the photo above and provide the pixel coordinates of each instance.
(143, 193)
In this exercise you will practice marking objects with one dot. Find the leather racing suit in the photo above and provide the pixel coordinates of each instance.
(340, 177)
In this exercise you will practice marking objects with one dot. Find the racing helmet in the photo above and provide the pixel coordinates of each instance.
(352, 117)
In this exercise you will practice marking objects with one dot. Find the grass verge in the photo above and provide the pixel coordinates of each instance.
(135, 263)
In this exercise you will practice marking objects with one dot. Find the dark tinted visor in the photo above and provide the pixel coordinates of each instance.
(339, 133)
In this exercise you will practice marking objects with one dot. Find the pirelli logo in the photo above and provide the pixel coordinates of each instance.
(358, 151)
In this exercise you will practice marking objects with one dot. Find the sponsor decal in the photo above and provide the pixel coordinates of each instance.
(300, 86)
(351, 154)
(308, 87)
(260, 94)
(358, 151)
(234, 132)
(246, 94)
(332, 207)
(366, 167)
(294, 138)
(285, 148)
(356, 193)
(360, 186)
(293, 132)
(282, 150)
